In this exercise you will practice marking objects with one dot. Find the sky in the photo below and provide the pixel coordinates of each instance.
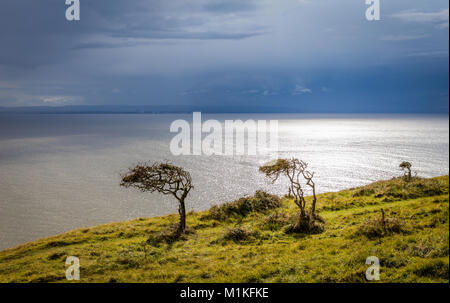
(298, 55)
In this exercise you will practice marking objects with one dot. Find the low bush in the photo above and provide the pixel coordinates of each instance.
(307, 224)
(376, 228)
(238, 234)
(275, 221)
(260, 202)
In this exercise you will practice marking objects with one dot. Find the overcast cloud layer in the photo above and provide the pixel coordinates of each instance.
(303, 55)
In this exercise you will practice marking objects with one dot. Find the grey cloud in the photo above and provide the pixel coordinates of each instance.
(192, 51)
(434, 53)
(402, 37)
(300, 90)
(43, 36)
(230, 6)
(189, 35)
(418, 16)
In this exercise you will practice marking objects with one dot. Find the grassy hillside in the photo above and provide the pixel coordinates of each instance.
(235, 243)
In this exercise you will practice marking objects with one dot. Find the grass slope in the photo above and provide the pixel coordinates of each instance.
(116, 253)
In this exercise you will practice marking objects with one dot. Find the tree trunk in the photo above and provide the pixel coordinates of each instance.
(182, 212)
(302, 212)
(313, 208)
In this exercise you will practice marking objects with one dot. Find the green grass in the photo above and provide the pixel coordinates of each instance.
(255, 247)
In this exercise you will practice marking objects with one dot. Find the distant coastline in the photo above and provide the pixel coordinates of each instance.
(185, 109)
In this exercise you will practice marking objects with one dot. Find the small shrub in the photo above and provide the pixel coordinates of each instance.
(238, 234)
(260, 202)
(361, 192)
(376, 228)
(276, 221)
(263, 201)
(128, 257)
(305, 224)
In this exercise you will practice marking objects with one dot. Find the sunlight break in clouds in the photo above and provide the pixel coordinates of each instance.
(61, 100)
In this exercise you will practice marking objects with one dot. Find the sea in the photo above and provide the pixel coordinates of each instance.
(60, 172)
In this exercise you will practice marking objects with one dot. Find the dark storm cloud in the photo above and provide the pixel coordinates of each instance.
(301, 54)
(227, 6)
(36, 32)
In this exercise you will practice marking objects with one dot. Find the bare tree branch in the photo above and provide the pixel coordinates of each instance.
(164, 178)
(293, 169)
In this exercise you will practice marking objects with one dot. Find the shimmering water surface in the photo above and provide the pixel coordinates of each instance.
(60, 172)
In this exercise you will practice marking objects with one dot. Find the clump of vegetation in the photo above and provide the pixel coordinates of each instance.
(238, 234)
(128, 258)
(294, 224)
(276, 221)
(164, 178)
(363, 192)
(295, 170)
(260, 202)
(381, 226)
(305, 225)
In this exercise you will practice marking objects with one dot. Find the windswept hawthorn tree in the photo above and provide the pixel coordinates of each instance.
(406, 166)
(294, 170)
(164, 178)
